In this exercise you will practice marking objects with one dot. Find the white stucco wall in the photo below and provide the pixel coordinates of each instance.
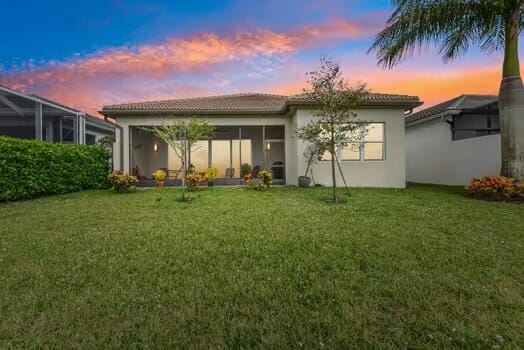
(390, 172)
(432, 156)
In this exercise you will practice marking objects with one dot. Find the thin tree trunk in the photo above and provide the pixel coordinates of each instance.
(511, 102)
(309, 163)
(333, 173)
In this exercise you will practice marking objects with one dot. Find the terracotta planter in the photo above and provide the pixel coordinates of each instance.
(160, 184)
(304, 181)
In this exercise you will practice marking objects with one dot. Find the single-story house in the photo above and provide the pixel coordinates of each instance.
(261, 130)
(31, 116)
(454, 141)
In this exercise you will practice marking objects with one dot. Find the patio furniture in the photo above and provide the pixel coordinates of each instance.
(173, 174)
(278, 170)
(136, 172)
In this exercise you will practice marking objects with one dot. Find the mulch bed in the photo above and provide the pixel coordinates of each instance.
(487, 198)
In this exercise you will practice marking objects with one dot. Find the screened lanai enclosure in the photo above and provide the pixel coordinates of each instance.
(30, 116)
(261, 147)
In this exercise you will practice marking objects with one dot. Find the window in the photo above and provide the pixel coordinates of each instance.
(370, 145)
(466, 126)
(373, 144)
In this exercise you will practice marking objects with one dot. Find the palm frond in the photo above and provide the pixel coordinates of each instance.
(451, 25)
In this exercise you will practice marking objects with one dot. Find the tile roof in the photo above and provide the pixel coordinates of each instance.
(247, 103)
(457, 104)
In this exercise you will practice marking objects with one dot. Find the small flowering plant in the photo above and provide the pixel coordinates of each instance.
(266, 177)
(211, 174)
(496, 188)
(193, 181)
(248, 179)
(265, 180)
(122, 182)
(159, 175)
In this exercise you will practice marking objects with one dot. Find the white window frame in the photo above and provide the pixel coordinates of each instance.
(383, 142)
(362, 144)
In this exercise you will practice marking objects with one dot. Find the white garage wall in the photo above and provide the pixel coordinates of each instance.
(433, 158)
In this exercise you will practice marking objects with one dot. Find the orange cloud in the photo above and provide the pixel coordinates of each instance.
(431, 86)
(437, 86)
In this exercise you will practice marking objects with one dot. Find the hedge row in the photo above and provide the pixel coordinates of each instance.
(35, 168)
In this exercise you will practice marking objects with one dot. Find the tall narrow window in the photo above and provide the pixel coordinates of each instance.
(373, 144)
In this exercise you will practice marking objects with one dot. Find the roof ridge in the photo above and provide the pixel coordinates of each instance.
(458, 101)
(200, 98)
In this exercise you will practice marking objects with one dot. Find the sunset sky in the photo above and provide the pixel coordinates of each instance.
(90, 53)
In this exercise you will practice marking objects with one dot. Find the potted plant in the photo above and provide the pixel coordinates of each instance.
(211, 175)
(159, 176)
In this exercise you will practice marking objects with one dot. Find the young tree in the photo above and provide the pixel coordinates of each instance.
(335, 123)
(182, 136)
(455, 25)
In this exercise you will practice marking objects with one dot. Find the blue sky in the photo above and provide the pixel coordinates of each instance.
(89, 53)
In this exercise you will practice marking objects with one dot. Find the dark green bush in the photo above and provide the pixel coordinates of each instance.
(34, 168)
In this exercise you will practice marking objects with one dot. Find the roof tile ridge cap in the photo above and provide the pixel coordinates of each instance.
(455, 105)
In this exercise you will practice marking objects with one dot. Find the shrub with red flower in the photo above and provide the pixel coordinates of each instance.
(248, 179)
(193, 180)
(495, 187)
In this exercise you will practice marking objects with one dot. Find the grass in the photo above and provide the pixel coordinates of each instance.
(417, 268)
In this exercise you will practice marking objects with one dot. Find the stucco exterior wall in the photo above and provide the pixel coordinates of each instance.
(390, 172)
(432, 156)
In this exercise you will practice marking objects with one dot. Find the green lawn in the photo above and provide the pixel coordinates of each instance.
(422, 267)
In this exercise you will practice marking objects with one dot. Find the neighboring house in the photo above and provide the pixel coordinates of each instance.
(261, 130)
(31, 116)
(454, 141)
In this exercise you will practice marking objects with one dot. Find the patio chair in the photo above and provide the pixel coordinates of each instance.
(136, 172)
(173, 174)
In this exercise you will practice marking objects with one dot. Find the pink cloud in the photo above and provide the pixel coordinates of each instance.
(188, 54)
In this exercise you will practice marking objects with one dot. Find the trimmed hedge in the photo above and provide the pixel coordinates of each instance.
(34, 168)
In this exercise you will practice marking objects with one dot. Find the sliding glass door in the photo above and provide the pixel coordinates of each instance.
(228, 155)
(220, 156)
(200, 156)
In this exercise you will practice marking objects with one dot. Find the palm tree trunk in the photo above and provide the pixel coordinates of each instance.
(511, 103)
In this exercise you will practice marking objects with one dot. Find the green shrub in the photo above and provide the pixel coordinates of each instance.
(193, 181)
(31, 168)
(266, 177)
(122, 182)
(245, 169)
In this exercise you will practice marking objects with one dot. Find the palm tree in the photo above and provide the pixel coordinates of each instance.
(454, 26)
